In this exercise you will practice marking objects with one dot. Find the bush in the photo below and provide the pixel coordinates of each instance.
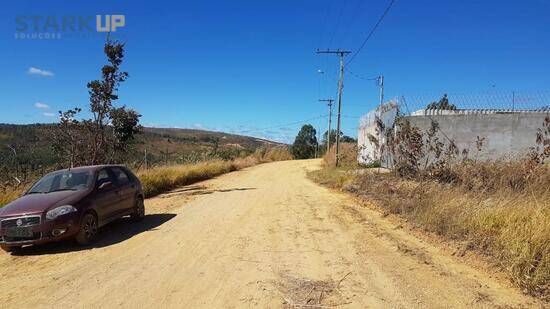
(374, 164)
(348, 155)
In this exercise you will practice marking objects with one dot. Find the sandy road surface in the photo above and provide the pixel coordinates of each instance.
(264, 237)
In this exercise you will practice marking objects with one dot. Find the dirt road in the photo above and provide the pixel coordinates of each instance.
(264, 237)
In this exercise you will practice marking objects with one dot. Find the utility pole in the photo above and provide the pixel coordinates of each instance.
(317, 151)
(341, 55)
(329, 103)
(381, 85)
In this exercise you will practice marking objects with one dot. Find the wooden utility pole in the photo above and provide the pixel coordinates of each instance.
(329, 103)
(341, 54)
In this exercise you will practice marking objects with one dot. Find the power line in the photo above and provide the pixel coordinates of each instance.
(363, 78)
(337, 26)
(283, 125)
(372, 31)
(324, 23)
(352, 21)
(350, 116)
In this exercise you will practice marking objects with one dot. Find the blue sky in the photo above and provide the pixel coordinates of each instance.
(249, 66)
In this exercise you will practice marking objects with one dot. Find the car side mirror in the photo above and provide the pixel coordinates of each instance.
(106, 185)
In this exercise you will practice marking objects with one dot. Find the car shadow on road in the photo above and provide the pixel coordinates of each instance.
(208, 191)
(110, 234)
(200, 190)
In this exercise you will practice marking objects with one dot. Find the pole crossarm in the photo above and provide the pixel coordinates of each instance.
(336, 51)
(327, 100)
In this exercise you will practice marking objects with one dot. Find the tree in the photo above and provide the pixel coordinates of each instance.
(107, 136)
(70, 137)
(305, 144)
(343, 138)
(347, 139)
(443, 104)
(125, 125)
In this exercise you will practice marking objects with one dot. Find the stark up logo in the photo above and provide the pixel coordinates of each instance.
(111, 22)
(76, 26)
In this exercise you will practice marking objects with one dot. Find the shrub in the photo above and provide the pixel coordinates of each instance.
(348, 155)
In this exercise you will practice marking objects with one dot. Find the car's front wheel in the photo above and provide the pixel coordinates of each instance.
(88, 230)
(10, 248)
(139, 210)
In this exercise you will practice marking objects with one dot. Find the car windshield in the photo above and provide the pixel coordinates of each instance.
(63, 181)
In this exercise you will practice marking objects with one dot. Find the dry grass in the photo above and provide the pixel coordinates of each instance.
(307, 293)
(498, 209)
(277, 154)
(9, 195)
(281, 153)
(348, 155)
(161, 179)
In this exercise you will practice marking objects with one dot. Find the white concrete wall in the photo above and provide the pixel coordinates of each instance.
(367, 126)
(367, 151)
(508, 134)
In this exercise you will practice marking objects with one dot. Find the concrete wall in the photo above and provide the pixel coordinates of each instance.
(367, 126)
(507, 134)
(368, 153)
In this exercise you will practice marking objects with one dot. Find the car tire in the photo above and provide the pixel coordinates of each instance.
(10, 248)
(88, 230)
(139, 210)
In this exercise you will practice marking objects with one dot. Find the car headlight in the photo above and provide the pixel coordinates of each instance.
(59, 211)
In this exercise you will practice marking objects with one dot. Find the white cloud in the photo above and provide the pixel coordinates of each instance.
(48, 114)
(37, 71)
(41, 105)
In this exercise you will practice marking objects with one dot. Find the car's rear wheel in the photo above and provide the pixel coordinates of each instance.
(88, 230)
(10, 248)
(139, 210)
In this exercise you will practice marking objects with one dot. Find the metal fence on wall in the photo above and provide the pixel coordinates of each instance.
(508, 121)
(503, 101)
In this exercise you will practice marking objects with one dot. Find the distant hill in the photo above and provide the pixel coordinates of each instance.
(180, 142)
(193, 137)
(29, 146)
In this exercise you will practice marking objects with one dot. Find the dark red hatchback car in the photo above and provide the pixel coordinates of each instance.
(71, 203)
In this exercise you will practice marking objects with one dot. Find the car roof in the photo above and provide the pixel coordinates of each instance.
(90, 168)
